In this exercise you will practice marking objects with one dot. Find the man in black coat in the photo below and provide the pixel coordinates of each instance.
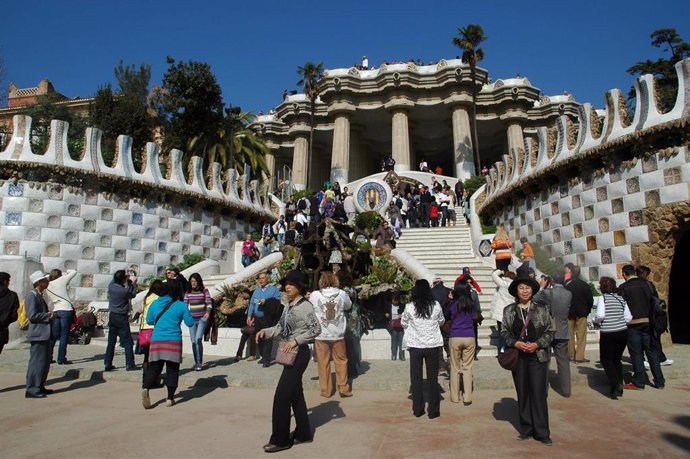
(9, 305)
(638, 295)
(580, 307)
(442, 295)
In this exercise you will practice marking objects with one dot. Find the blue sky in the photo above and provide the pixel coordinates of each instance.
(254, 48)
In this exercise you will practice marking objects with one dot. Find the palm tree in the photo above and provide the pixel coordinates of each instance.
(469, 40)
(247, 147)
(310, 74)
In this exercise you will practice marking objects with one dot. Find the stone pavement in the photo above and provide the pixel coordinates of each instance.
(376, 375)
(92, 418)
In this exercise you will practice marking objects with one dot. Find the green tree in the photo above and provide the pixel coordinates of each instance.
(663, 69)
(469, 39)
(189, 104)
(46, 109)
(310, 74)
(247, 147)
(125, 112)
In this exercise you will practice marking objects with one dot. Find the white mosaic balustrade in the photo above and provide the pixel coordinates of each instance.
(99, 233)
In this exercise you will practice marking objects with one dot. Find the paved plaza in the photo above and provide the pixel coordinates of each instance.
(225, 410)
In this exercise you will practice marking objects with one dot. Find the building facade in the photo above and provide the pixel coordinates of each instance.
(409, 111)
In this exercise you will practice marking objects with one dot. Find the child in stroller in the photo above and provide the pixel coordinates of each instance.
(81, 330)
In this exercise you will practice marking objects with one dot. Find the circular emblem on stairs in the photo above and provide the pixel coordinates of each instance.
(373, 195)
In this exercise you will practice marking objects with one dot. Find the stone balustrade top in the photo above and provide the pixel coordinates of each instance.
(215, 185)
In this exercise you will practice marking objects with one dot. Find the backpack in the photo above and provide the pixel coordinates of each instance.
(658, 317)
(22, 318)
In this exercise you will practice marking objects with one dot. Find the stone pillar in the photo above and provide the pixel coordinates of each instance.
(463, 156)
(340, 158)
(515, 139)
(271, 165)
(401, 140)
(299, 162)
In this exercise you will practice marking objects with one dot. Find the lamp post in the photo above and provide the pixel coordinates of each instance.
(232, 114)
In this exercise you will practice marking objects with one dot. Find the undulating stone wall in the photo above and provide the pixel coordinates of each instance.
(85, 215)
(602, 201)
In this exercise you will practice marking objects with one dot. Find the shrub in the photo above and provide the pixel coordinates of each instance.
(473, 183)
(371, 220)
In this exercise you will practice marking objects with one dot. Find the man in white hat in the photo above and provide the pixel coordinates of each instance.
(38, 335)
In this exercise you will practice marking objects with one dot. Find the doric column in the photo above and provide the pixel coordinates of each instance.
(400, 133)
(271, 166)
(340, 158)
(515, 139)
(300, 166)
(401, 140)
(463, 156)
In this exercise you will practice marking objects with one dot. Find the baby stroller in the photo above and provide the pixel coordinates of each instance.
(81, 330)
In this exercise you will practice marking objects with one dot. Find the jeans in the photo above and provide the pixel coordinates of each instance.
(396, 343)
(118, 325)
(639, 341)
(246, 260)
(60, 331)
(281, 239)
(430, 357)
(196, 334)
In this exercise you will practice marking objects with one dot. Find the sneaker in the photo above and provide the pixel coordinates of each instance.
(109, 368)
(632, 386)
(666, 363)
(251, 358)
(169, 402)
(198, 367)
(145, 399)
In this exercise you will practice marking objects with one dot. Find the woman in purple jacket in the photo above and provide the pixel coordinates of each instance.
(461, 343)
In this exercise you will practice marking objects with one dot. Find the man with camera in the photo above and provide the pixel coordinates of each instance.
(120, 291)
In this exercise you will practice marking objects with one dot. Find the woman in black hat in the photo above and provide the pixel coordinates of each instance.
(527, 327)
(299, 326)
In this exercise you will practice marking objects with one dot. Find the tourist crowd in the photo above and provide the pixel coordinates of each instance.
(437, 326)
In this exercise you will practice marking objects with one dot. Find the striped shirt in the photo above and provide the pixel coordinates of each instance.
(198, 303)
(612, 313)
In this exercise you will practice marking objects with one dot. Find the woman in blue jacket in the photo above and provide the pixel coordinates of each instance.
(165, 314)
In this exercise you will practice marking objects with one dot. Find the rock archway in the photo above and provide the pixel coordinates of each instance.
(667, 254)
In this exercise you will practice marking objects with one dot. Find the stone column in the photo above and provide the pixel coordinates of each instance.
(271, 165)
(463, 156)
(340, 158)
(299, 162)
(401, 140)
(515, 139)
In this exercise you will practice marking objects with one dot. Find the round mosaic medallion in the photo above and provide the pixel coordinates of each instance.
(373, 195)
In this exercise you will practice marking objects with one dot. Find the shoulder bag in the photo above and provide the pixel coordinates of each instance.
(508, 359)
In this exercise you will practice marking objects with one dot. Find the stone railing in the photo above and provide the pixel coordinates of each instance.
(571, 146)
(84, 214)
(220, 188)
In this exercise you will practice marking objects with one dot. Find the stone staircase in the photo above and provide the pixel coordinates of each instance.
(445, 251)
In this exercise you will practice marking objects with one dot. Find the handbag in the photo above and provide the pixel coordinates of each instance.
(477, 317)
(508, 359)
(145, 337)
(283, 357)
(396, 324)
